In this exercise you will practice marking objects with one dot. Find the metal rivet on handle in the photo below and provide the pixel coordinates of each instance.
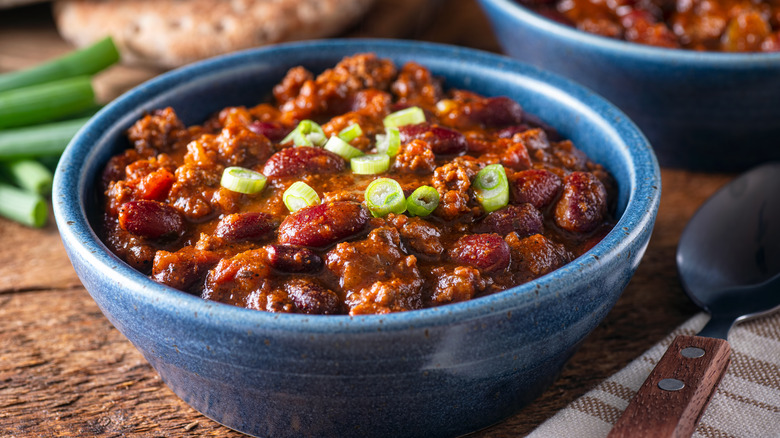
(671, 384)
(692, 352)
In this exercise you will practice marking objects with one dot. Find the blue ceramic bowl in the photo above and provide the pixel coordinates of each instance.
(700, 110)
(435, 372)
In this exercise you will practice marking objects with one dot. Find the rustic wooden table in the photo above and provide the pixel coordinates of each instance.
(65, 371)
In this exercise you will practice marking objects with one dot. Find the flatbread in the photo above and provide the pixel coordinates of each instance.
(170, 33)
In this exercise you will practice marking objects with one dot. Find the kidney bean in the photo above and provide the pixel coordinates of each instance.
(151, 219)
(273, 131)
(240, 227)
(291, 258)
(183, 268)
(156, 185)
(312, 298)
(297, 161)
(497, 112)
(443, 141)
(323, 224)
(583, 204)
(486, 252)
(523, 218)
(537, 187)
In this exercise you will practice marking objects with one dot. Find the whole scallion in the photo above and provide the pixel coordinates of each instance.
(22, 206)
(86, 61)
(45, 102)
(28, 174)
(38, 141)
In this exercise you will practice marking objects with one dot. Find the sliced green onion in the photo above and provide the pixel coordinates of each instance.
(341, 148)
(44, 102)
(29, 175)
(409, 116)
(350, 133)
(307, 133)
(492, 187)
(389, 143)
(40, 140)
(241, 180)
(383, 196)
(370, 164)
(22, 206)
(422, 201)
(86, 61)
(300, 195)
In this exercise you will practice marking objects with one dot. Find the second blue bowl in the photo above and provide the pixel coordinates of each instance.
(707, 111)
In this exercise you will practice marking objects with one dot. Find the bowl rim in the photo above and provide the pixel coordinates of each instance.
(79, 238)
(714, 59)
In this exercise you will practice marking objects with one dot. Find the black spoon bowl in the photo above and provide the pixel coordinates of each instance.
(729, 253)
(729, 263)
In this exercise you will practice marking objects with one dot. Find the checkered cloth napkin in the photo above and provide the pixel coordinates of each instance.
(745, 405)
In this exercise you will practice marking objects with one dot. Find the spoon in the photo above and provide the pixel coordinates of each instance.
(729, 263)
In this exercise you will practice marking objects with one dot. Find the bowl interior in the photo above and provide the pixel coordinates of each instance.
(246, 78)
(730, 61)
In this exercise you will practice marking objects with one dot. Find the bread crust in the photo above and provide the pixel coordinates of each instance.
(171, 33)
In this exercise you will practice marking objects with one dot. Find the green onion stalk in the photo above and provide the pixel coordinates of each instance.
(45, 102)
(83, 62)
(28, 174)
(43, 140)
(22, 206)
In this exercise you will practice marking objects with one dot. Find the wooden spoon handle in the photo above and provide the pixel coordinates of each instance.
(693, 362)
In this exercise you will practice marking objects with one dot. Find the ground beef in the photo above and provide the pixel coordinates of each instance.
(396, 282)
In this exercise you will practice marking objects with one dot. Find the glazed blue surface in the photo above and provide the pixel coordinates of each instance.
(700, 110)
(434, 372)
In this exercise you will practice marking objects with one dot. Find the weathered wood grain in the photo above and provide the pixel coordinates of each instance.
(46, 267)
(66, 372)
